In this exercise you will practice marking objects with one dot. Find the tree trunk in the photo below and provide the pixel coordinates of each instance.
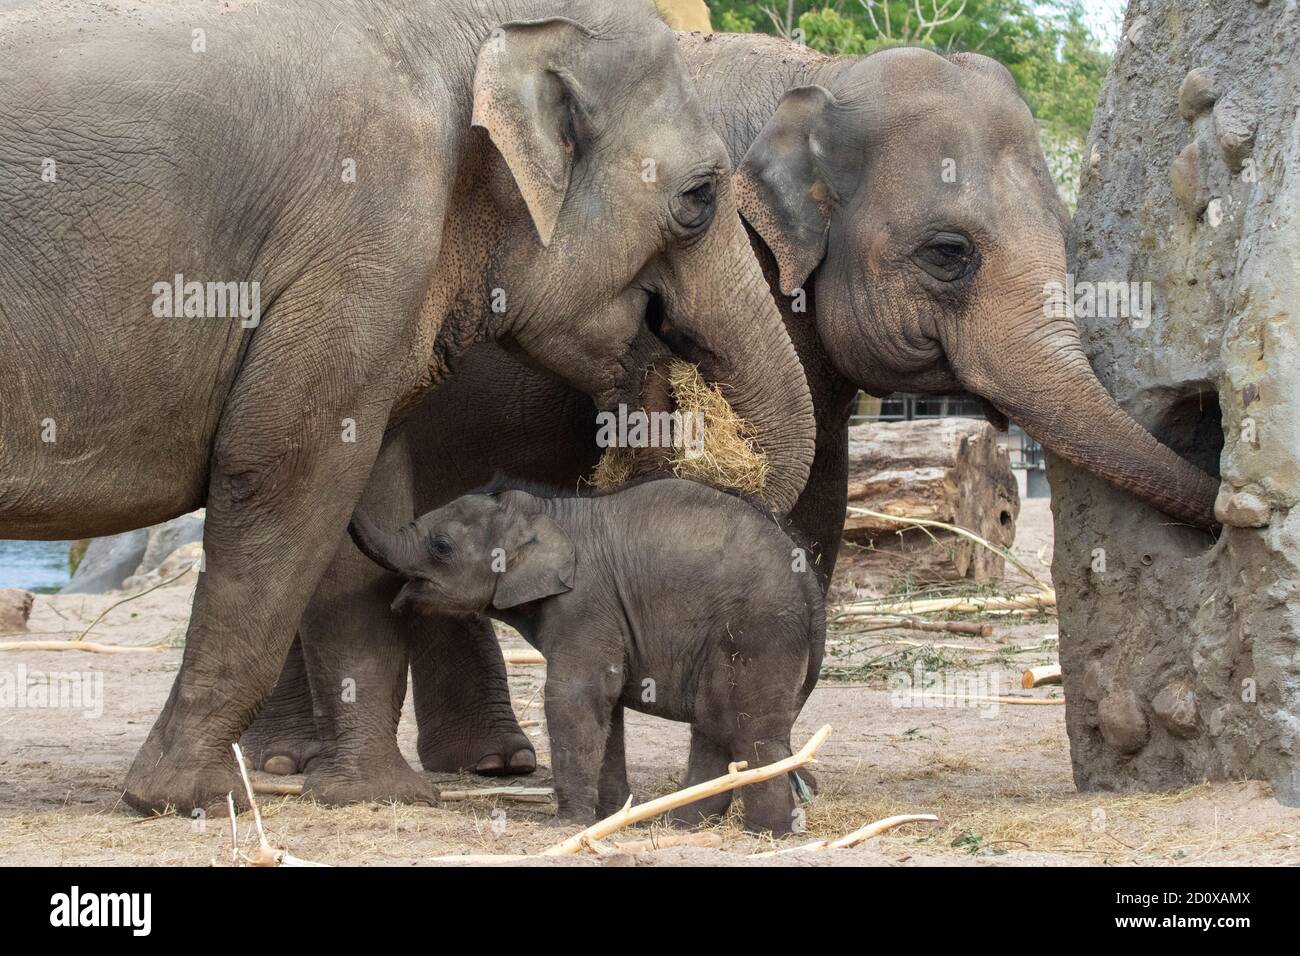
(952, 470)
(1182, 658)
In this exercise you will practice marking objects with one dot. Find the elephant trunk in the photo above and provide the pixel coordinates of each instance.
(722, 304)
(1038, 375)
(392, 551)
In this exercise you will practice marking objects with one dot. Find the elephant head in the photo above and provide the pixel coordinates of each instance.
(617, 234)
(478, 552)
(913, 190)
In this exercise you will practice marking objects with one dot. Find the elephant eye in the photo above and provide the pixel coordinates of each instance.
(947, 256)
(693, 208)
(440, 547)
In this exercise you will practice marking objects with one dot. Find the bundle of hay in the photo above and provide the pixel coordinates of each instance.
(729, 457)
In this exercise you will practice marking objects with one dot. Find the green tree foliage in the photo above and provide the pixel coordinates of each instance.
(1046, 44)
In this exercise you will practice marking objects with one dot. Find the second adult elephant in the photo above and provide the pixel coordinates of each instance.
(904, 198)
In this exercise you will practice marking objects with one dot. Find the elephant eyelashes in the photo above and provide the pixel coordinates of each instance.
(947, 257)
(693, 209)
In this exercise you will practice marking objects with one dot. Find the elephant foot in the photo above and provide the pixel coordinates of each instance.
(393, 782)
(158, 784)
(501, 750)
(278, 749)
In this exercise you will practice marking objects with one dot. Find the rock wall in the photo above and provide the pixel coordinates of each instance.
(1181, 653)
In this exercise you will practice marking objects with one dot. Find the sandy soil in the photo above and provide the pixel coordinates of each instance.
(999, 777)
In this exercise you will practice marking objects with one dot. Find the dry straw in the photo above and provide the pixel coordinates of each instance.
(729, 457)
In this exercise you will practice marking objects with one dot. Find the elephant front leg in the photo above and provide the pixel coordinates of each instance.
(579, 709)
(281, 483)
(462, 699)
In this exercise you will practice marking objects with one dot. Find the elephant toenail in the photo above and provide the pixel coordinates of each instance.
(492, 763)
(280, 765)
(523, 760)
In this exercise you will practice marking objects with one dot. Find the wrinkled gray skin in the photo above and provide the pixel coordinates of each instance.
(671, 598)
(877, 318)
(498, 154)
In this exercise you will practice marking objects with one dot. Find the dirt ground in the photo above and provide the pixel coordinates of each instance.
(997, 776)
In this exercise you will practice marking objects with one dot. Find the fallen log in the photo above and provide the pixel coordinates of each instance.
(1038, 676)
(951, 471)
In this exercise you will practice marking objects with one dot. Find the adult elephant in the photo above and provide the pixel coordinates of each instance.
(239, 245)
(904, 200)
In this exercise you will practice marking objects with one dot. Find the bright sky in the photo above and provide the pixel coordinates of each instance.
(1106, 17)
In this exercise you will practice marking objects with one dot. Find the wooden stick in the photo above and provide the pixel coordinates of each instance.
(523, 657)
(518, 794)
(997, 700)
(267, 855)
(860, 835)
(974, 628)
(973, 648)
(733, 779)
(90, 646)
(668, 840)
(865, 833)
(1038, 676)
(274, 788)
(945, 605)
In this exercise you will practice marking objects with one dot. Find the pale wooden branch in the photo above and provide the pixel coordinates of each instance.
(79, 645)
(1038, 676)
(266, 855)
(523, 657)
(517, 794)
(736, 777)
(860, 835)
(865, 833)
(270, 788)
(669, 840)
(979, 698)
(947, 605)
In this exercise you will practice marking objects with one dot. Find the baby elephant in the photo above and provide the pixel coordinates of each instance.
(668, 597)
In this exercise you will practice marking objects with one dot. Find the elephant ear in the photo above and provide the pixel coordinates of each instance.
(525, 100)
(542, 566)
(782, 187)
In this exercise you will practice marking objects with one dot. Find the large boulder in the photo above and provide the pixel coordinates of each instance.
(1181, 655)
(15, 609)
(165, 538)
(108, 562)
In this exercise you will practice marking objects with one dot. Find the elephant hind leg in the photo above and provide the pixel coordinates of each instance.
(283, 738)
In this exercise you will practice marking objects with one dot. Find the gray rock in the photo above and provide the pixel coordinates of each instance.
(1214, 376)
(1196, 95)
(167, 537)
(1123, 724)
(108, 562)
(15, 609)
(1175, 709)
(1241, 509)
